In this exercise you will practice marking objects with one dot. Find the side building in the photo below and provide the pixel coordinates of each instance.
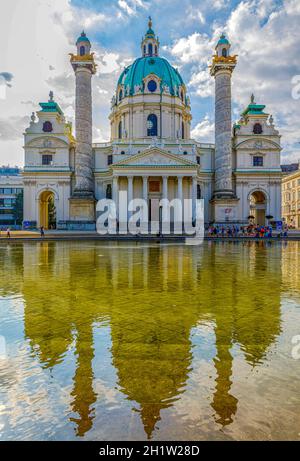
(11, 185)
(291, 197)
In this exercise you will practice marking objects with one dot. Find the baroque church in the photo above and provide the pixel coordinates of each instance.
(151, 154)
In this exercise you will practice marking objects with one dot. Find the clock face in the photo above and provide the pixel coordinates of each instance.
(152, 86)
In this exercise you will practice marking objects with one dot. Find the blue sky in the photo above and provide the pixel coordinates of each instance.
(264, 33)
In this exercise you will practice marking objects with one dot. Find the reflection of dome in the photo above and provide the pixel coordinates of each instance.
(142, 67)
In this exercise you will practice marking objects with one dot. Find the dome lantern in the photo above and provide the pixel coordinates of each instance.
(83, 45)
(150, 43)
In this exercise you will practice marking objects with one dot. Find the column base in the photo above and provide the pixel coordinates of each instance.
(82, 209)
(224, 194)
(225, 210)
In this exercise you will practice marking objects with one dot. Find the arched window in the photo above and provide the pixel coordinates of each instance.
(47, 127)
(257, 129)
(224, 53)
(152, 86)
(152, 125)
(198, 191)
(109, 191)
(82, 51)
(120, 95)
(150, 49)
(120, 130)
(182, 130)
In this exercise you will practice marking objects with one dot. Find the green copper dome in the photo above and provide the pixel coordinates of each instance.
(135, 74)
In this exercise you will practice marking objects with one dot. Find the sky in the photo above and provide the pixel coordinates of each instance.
(36, 37)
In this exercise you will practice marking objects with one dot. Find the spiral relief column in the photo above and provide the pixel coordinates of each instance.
(224, 195)
(82, 203)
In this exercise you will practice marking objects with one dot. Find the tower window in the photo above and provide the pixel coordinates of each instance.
(224, 53)
(120, 95)
(47, 127)
(258, 160)
(257, 129)
(150, 49)
(185, 152)
(120, 130)
(152, 86)
(109, 159)
(156, 50)
(198, 160)
(152, 125)
(47, 159)
(82, 51)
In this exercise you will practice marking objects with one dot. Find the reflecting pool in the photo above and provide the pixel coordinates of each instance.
(133, 341)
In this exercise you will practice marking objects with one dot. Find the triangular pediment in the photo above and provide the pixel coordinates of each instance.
(155, 157)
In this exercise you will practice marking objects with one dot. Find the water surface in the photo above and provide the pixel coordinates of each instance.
(108, 341)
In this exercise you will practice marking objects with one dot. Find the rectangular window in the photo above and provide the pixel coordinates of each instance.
(7, 191)
(47, 159)
(109, 159)
(258, 161)
(198, 160)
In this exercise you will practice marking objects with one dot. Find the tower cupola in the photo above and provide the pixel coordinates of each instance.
(150, 43)
(223, 47)
(83, 45)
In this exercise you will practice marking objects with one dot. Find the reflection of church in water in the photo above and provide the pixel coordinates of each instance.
(152, 347)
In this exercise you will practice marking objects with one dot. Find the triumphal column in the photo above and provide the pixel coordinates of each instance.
(224, 199)
(82, 202)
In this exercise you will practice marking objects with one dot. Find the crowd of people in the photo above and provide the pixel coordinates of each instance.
(252, 230)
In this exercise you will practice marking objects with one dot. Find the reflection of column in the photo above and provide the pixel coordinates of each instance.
(145, 266)
(165, 255)
(83, 393)
(180, 197)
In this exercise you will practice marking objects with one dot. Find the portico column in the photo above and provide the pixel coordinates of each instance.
(144, 223)
(194, 196)
(179, 188)
(115, 192)
(145, 188)
(130, 191)
(165, 227)
(165, 186)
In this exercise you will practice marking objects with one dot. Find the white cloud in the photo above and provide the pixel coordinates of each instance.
(204, 131)
(265, 36)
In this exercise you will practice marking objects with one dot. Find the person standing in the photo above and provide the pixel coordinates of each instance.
(42, 232)
(8, 233)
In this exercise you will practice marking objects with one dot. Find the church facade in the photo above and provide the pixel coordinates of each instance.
(151, 154)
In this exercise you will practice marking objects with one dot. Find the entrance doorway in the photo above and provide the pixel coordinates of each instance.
(47, 210)
(258, 205)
